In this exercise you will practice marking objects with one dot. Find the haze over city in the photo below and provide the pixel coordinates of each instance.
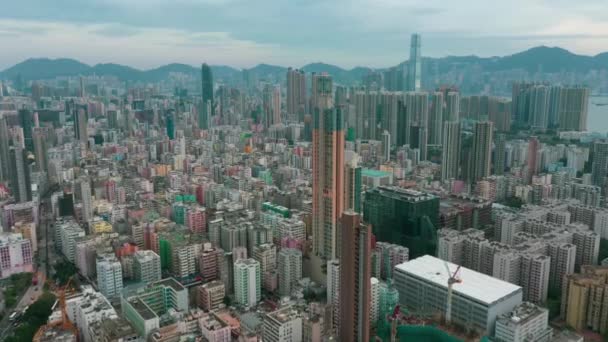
(303, 171)
(146, 34)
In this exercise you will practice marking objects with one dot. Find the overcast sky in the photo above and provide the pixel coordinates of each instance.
(243, 33)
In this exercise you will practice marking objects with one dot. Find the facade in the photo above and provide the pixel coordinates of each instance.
(585, 299)
(450, 158)
(109, 276)
(328, 171)
(20, 182)
(422, 285)
(211, 295)
(206, 111)
(16, 255)
(296, 93)
(146, 266)
(404, 217)
(289, 269)
(527, 322)
(247, 282)
(355, 269)
(481, 153)
(414, 70)
(283, 325)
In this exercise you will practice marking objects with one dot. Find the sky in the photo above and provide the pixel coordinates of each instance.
(243, 33)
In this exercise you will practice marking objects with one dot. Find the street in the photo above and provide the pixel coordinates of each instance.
(45, 251)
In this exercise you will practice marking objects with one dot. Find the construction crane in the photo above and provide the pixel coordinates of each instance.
(452, 279)
(64, 323)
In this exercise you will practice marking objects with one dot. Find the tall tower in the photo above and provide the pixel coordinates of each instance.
(276, 105)
(414, 69)
(450, 157)
(482, 151)
(80, 125)
(532, 159)
(328, 168)
(26, 120)
(40, 149)
(296, 93)
(599, 168)
(355, 274)
(4, 150)
(207, 96)
(435, 120)
(21, 185)
(499, 154)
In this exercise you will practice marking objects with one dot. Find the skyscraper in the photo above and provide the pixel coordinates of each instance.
(573, 109)
(109, 275)
(414, 70)
(21, 185)
(40, 150)
(26, 120)
(352, 185)
(450, 157)
(296, 93)
(247, 282)
(499, 154)
(435, 121)
(207, 96)
(276, 105)
(80, 125)
(481, 153)
(328, 168)
(532, 158)
(290, 270)
(355, 273)
(4, 150)
(599, 168)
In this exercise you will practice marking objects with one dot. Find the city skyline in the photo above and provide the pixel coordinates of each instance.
(225, 31)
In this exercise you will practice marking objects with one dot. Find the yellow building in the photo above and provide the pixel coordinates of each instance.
(101, 226)
(585, 299)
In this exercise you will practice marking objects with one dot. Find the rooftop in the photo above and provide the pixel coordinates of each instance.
(474, 285)
(375, 173)
(170, 282)
(402, 194)
(142, 308)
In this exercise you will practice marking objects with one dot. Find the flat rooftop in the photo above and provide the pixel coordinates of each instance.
(142, 308)
(475, 285)
(375, 173)
(170, 282)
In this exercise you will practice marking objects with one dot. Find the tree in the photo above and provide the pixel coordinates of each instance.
(64, 271)
(35, 317)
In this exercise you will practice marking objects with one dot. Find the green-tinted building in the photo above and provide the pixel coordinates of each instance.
(404, 217)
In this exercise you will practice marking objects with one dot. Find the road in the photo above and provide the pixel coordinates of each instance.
(45, 251)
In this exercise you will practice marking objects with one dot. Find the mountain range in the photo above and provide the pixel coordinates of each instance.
(542, 58)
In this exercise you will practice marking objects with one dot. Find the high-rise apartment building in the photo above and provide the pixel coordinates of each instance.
(403, 216)
(481, 154)
(414, 70)
(247, 282)
(211, 295)
(19, 171)
(328, 169)
(450, 157)
(500, 154)
(435, 121)
(40, 150)
(5, 173)
(206, 111)
(26, 121)
(355, 270)
(283, 325)
(573, 108)
(289, 269)
(146, 266)
(296, 93)
(532, 162)
(584, 304)
(109, 275)
(527, 322)
(599, 168)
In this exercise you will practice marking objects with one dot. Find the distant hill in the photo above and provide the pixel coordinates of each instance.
(542, 58)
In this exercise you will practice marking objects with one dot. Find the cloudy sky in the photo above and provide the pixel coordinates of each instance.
(243, 33)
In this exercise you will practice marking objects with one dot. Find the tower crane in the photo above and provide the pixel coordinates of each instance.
(452, 279)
